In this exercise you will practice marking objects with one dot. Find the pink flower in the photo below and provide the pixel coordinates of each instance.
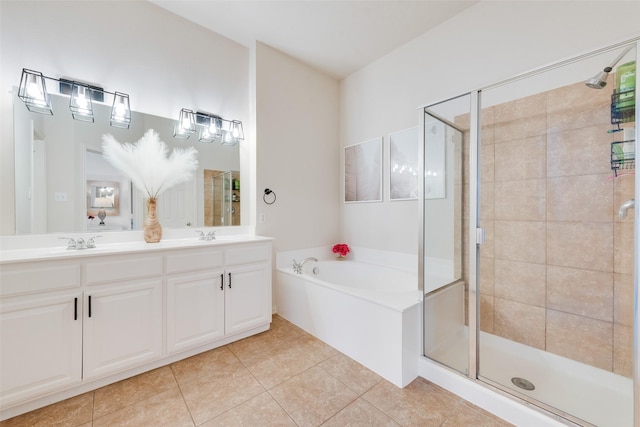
(341, 249)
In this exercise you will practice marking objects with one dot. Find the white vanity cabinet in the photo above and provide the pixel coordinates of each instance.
(212, 293)
(123, 313)
(195, 298)
(247, 299)
(88, 319)
(40, 329)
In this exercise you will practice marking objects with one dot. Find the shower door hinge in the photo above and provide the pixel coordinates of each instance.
(479, 236)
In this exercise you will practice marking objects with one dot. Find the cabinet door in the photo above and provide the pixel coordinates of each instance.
(247, 297)
(40, 345)
(122, 326)
(195, 309)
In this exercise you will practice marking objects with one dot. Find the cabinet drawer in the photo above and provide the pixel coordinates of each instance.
(24, 278)
(247, 254)
(123, 268)
(190, 260)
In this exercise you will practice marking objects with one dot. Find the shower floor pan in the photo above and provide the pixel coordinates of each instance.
(591, 394)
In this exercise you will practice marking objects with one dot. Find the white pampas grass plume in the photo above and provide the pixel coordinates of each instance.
(146, 162)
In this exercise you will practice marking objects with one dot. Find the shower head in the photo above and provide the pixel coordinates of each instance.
(600, 80)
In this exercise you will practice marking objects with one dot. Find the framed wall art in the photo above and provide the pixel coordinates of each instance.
(363, 171)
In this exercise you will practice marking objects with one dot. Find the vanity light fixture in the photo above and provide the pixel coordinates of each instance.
(120, 111)
(80, 102)
(211, 127)
(186, 124)
(233, 134)
(33, 91)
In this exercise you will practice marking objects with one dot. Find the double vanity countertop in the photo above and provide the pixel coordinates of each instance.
(46, 251)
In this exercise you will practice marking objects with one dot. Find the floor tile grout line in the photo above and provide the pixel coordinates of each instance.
(184, 400)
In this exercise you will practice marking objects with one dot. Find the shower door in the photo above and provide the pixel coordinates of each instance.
(555, 273)
(445, 136)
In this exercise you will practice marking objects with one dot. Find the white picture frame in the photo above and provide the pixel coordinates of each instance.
(403, 164)
(363, 171)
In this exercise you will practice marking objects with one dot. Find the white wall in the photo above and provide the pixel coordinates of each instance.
(489, 42)
(162, 61)
(297, 151)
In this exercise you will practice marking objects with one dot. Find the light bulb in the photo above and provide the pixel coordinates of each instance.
(120, 110)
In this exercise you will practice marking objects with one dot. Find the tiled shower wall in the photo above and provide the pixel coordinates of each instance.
(213, 192)
(556, 271)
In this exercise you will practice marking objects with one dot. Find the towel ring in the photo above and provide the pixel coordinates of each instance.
(268, 192)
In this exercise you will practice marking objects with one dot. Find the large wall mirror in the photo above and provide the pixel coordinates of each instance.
(59, 165)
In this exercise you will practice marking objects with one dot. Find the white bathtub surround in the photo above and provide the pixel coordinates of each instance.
(396, 260)
(372, 314)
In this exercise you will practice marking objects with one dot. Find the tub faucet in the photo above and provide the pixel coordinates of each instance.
(297, 267)
(631, 203)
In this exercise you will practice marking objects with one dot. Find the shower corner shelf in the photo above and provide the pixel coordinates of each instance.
(623, 156)
(623, 108)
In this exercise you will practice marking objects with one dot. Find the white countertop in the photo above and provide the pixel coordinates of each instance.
(60, 251)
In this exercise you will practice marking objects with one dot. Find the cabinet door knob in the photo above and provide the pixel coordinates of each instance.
(89, 305)
(222, 281)
(75, 308)
(229, 280)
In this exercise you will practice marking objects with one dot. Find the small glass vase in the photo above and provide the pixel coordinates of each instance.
(341, 257)
(152, 228)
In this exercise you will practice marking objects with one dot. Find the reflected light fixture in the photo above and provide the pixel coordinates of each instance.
(186, 124)
(80, 102)
(120, 111)
(33, 91)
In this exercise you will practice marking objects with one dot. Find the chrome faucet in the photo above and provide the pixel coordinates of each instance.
(71, 244)
(631, 203)
(210, 235)
(91, 243)
(297, 267)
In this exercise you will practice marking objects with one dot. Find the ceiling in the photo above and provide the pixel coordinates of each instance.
(337, 37)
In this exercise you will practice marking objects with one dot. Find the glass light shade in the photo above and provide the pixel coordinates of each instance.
(121, 111)
(33, 91)
(228, 139)
(236, 130)
(80, 103)
(210, 130)
(186, 124)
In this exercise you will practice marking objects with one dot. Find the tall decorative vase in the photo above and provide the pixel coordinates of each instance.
(152, 227)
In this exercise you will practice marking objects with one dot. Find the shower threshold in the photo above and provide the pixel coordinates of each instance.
(591, 394)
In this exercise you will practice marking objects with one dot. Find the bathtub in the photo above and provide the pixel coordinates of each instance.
(369, 312)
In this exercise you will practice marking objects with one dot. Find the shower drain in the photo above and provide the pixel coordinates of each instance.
(523, 384)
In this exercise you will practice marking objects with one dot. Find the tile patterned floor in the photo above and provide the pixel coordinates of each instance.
(281, 377)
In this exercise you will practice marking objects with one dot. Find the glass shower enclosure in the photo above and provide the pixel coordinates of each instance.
(529, 242)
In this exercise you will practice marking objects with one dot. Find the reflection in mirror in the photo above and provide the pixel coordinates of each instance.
(55, 157)
(102, 198)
